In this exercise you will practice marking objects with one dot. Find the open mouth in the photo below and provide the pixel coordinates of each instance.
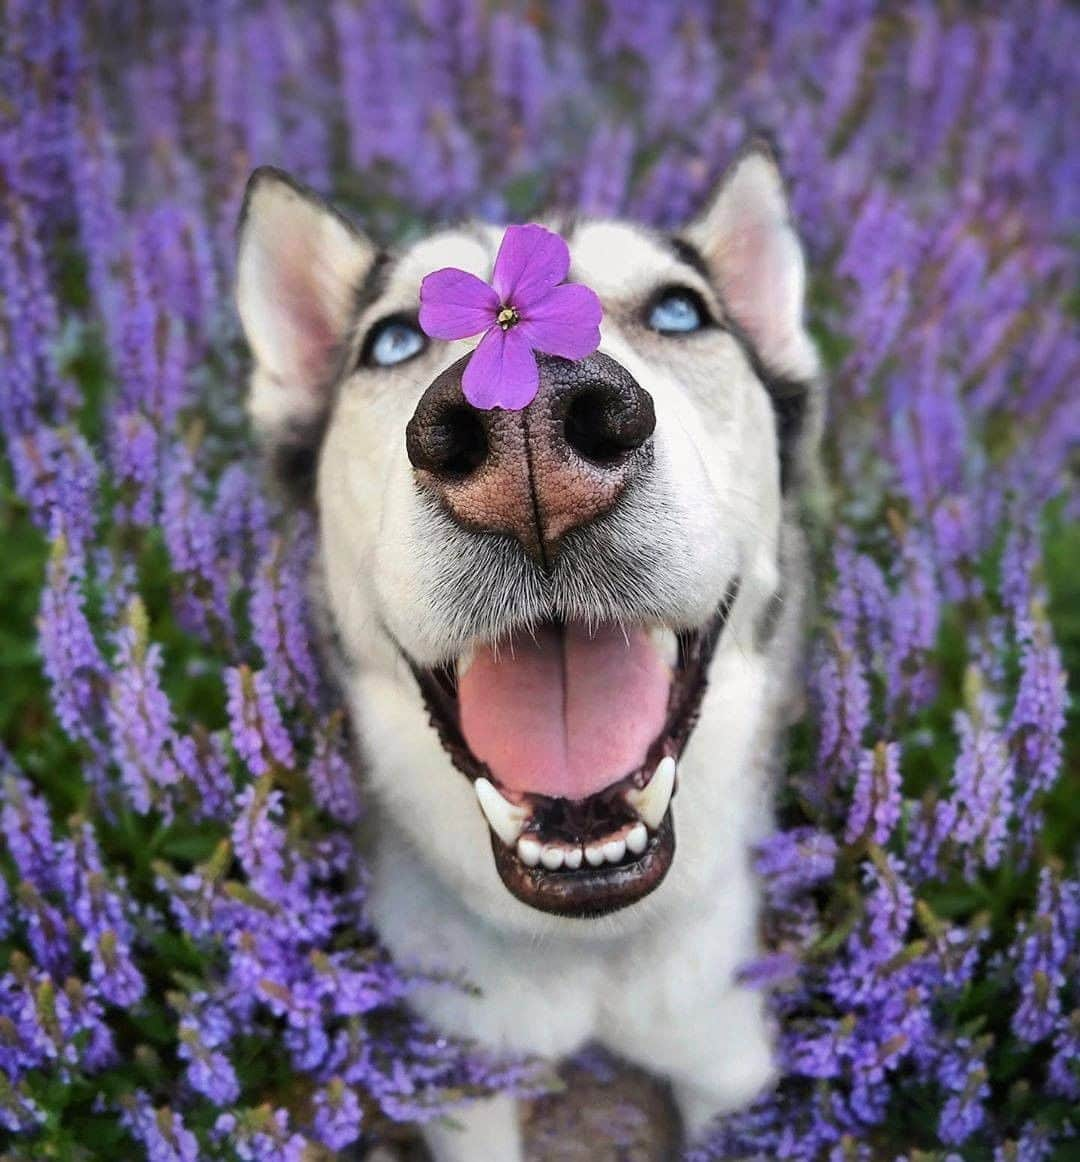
(571, 736)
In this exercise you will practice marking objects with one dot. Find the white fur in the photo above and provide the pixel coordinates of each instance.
(655, 982)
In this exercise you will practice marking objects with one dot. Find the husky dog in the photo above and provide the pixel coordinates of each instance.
(567, 635)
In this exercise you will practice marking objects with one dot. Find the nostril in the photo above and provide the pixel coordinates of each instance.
(589, 429)
(451, 446)
(603, 426)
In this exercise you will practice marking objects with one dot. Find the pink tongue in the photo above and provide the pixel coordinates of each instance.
(564, 714)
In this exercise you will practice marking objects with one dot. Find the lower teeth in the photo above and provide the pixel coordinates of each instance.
(508, 820)
(556, 856)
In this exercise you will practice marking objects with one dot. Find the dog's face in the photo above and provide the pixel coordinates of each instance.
(526, 604)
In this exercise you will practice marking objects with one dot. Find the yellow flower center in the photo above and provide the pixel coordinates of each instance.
(507, 317)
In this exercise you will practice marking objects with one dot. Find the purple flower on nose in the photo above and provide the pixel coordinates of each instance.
(526, 308)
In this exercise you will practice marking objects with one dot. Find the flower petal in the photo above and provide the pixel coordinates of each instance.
(502, 372)
(455, 304)
(566, 322)
(531, 260)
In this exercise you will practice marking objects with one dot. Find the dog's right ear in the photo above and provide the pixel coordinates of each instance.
(299, 269)
(749, 243)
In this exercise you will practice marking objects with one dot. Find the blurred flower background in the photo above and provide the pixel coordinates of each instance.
(184, 958)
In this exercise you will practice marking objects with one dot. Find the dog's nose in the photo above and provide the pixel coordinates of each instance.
(541, 472)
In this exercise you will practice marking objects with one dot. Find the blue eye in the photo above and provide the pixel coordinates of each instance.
(393, 341)
(677, 312)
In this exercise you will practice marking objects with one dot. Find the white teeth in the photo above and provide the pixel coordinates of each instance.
(552, 857)
(528, 850)
(614, 850)
(507, 819)
(594, 854)
(651, 802)
(665, 643)
(466, 660)
(637, 839)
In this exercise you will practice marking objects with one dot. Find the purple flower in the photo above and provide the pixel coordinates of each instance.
(46, 931)
(57, 475)
(105, 915)
(332, 775)
(843, 693)
(930, 830)
(27, 829)
(1037, 723)
(261, 1135)
(875, 808)
(19, 1113)
(1035, 1144)
(141, 722)
(257, 729)
(72, 660)
(202, 758)
(258, 838)
(963, 1071)
(135, 452)
(280, 619)
(791, 862)
(527, 308)
(1045, 957)
(983, 779)
(209, 1071)
(32, 384)
(890, 905)
(161, 1133)
(936, 205)
(338, 1116)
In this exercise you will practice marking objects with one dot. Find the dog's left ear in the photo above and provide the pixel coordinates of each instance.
(747, 239)
(299, 268)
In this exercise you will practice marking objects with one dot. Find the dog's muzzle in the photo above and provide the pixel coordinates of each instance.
(570, 731)
(538, 473)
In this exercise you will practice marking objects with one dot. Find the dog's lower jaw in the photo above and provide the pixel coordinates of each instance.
(654, 982)
(662, 995)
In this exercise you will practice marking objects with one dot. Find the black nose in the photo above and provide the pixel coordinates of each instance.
(540, 472)
(603, 416)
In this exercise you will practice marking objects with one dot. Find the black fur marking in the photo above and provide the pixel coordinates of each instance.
(294, 460)
(790, 402)
(374, 283)
(790, 397)
(688, 253)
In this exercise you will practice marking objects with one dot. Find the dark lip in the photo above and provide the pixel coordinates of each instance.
(587, 891)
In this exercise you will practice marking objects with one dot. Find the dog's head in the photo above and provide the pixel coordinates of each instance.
(527, 604)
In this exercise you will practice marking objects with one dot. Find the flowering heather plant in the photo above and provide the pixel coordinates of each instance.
(185, 964)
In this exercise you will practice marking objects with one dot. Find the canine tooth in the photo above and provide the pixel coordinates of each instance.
(468, 656)
(665, 643)
(528, 850)
(637, 839)
(572, 858)
(614, 850)
(552, 856)
(507, 819)
(594, 854)
(652, 800)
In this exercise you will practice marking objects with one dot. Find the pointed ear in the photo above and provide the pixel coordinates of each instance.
(299, 269)
(747, 239)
